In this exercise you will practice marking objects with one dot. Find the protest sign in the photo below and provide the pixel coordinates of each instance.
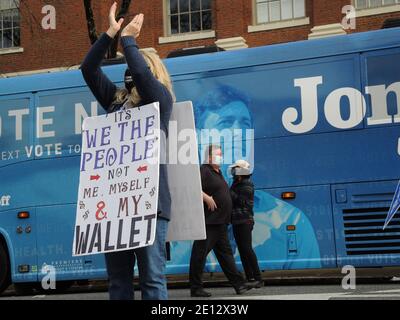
(118, 184)
(187, 212)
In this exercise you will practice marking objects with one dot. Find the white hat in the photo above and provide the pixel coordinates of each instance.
(243, 168)
(241, 164)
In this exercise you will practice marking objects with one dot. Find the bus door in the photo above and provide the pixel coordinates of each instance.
(17, 209)
(360, 209)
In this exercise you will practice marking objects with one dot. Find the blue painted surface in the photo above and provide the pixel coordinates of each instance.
(332, 170)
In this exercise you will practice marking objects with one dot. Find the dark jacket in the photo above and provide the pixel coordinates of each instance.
(149, 89)
(242, 194)
(214, 184)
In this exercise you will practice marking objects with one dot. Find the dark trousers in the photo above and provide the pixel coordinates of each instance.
(120, 274)
(151, 264)
(217, 240)
(242, 234)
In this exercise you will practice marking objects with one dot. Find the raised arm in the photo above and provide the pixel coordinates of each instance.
(149, 88)
(102, 87)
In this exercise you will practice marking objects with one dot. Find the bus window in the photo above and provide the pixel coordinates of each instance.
(59, 121)
(16, 129)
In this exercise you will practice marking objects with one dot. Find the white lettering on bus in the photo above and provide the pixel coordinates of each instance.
(356, 104)
(332, 109)
(18, 114)
(81, 114)
(40, 150)
(41, 122)
(309, 98)
(378, 98)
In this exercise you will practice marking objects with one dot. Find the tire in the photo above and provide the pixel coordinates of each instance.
(5, 277)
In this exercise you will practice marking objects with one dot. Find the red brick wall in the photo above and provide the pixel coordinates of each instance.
(67, 45)
(48, 48)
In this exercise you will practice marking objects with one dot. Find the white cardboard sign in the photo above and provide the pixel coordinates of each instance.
(119, 179)
(187, 212)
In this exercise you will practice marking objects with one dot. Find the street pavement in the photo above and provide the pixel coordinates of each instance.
(387, 290)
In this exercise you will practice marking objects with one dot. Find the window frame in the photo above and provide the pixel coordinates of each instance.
(277, 24)
(11, 9)
(186, 36)
(168, 15)
(354, 2)
(255, 13)
(370, 11)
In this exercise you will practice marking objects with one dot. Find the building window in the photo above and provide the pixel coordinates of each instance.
(188, 16)
(9, 24)
(367, 4)
(278, 10)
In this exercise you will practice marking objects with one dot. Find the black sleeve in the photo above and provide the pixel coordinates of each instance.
(149, 88)
(102, 87)
(203, 176)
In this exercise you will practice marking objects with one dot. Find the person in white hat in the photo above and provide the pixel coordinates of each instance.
(242, 218)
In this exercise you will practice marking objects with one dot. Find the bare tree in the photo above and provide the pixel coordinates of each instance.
(123, 10)
(90, 21)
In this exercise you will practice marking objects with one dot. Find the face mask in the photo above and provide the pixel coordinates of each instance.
(218, 160)
(238, 171)
(128, 79)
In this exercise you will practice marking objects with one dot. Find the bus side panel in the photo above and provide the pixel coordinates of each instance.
(360, 210)
(282, 160)
(294, 234)
(16, 139)
(287, 235)
(16, 129)
(59, 179)
(56, 228)
(381, 78)
(20, 236)
(328, 158)
(269, 90)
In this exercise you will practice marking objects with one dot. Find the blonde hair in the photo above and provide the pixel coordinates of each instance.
(160, 72)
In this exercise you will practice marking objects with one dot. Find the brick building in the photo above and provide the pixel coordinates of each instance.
(25, 46)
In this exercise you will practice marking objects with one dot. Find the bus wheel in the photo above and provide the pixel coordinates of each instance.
(5, 278)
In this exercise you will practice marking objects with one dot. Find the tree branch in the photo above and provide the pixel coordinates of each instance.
(90, 21)
(112, 52)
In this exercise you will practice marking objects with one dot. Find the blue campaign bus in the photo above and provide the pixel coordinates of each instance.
(326, 120)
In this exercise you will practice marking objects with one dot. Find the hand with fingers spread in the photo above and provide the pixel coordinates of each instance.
(134, 27)
(114, 25)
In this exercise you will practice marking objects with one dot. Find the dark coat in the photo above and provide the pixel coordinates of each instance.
(242, 194)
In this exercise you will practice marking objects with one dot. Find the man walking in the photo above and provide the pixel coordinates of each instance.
(217, 210)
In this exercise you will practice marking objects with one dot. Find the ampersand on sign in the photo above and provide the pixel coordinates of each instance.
(100, 214)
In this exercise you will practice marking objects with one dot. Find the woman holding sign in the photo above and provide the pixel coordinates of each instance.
(146, 81)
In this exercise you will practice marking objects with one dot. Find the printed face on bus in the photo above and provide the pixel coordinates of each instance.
(231, 121)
